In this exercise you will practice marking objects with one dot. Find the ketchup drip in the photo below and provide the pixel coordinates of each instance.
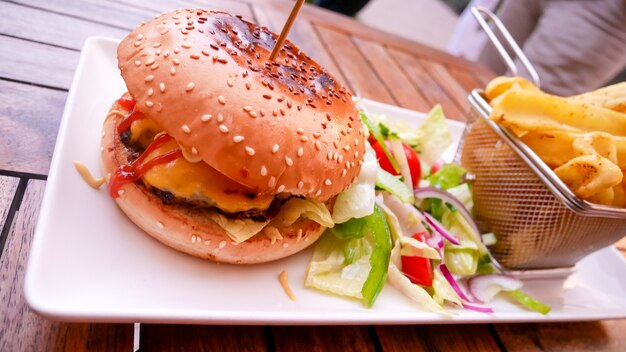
(126, 122)
(126, 103)
(132, 172)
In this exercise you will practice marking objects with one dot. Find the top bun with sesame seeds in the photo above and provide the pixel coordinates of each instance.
(205, 77)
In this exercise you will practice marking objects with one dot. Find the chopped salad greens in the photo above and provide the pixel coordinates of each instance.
(406, 220)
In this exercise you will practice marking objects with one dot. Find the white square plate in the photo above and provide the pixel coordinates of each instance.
(88, 262)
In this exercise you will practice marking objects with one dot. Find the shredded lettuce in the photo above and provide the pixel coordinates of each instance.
(408, 218)
(448, 176)
(393, 185)
(463, 259)
(374, 128)
(358, 200)
(443, 291)
(350, 265)
(415, 292)
(295, 208)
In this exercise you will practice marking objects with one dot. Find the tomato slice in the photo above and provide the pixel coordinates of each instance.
(436, 166)
(411, 156)
(418, 269)
(126, 103)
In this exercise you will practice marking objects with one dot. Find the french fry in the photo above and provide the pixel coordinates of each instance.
(501, 84)
(612, 97)
(605, 196)
(588, 175)
(525, 110)
(600, 143)
(619, 195)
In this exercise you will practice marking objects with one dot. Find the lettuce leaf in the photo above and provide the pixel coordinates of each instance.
(358, 200)
(443, 291)
(238, 230)
(463, 259)
(295, 208)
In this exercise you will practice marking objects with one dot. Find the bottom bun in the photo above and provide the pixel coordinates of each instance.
(188, 229)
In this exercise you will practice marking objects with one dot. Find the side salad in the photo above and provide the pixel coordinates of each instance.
(407, 222)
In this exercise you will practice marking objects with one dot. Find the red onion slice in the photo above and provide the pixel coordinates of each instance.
(477, 308)
(455, 286)
(432, 222)
(431, 192)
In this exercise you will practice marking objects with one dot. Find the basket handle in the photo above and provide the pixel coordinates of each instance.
(483, 14)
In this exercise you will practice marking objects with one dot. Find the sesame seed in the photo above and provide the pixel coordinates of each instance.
(176, 62)
(275, 112)
(238, 139)
(285, 245)
(335, 144)
(347, 164)
(120, 192)
(160, 224)
(149, 78)
(253, 114)
(137, 63)
(340, 159)
(137, 43)
(220, 117)
(346, 147)
(263, 170)
(267, 96)
(250, 151)
(193, 238)
(154, 67)
(150, 92)
(306, 239)
(139, 36)
(335, 156)
(185, 128)
(149, 103)
(207, 242)
(343, 172)
(223, 128)
(221, 100)
(272, 182)
(172, 71)
(275, 148)
(319, 191)
(247, 108)
(194, 56)
(300, 131)
(304, 139)
(190, 86)
(229, 82)
(300, 185)
(150, 61)
(288, 161)
(300, 151)
(248, 85)
(356, 141)
(317, 134)
(280, 189)
(186, 46)
(157, 45)
(206, 118)
(222, 244)
(356, 154)
(328, 182)
(318, 145)
(329, 156)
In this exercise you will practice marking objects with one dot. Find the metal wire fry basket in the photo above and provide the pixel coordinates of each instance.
(538, 221)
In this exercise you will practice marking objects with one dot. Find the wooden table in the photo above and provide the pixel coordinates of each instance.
(40, 43)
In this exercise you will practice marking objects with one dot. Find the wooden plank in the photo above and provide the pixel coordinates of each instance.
(158, 6)
(426, 84)
(22, 330)
(8, 185)
(322, 338)
(393, 77)
(436, 338)
(55, 31)
(448, 83)
(29, 119)
(37, 63)
(605, 335)
(321, 17)
(360, 77)
(302, 34)
(465, 78)
(97, 11)
(201, 338)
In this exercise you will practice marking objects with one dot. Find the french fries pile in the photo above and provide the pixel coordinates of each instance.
(582, 138)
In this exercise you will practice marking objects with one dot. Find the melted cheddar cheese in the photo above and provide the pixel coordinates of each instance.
(195, 182)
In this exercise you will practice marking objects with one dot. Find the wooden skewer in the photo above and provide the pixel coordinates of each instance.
(286, 29)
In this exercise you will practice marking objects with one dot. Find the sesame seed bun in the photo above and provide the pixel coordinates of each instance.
(283, 126)
(188, 229)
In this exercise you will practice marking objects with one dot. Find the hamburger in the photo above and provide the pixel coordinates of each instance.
(219, 153)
